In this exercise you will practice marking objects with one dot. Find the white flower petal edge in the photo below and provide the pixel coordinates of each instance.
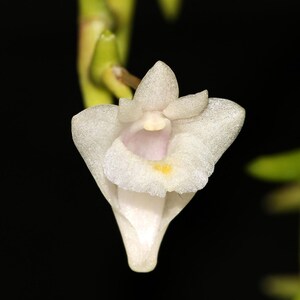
(187, 107)
(93, 131)
(158, 88)
(150, 155)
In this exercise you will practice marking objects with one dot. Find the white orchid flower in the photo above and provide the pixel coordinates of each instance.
(150, 155)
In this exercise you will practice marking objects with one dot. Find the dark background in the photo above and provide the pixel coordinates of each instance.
(58, 236)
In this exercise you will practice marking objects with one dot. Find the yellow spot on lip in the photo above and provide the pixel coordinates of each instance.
(163, 168)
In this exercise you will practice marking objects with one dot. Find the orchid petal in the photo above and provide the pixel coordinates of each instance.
(187, 106)
(217, 127)
(158, 88)
(129, 110)
(93, 131)
(186, 168)
(131, 172)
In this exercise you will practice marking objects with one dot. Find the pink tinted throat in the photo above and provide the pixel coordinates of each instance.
(151, 145)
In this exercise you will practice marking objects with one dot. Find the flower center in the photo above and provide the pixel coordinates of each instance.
(154, 121)
(149, 136)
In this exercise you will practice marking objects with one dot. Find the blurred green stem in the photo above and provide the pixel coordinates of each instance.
(284, 199)
(286, 287)
(281, 168)
(170, 8)
(100, 49)
(278, 167)
(123, 12)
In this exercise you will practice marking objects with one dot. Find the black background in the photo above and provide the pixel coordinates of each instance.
(58, 236)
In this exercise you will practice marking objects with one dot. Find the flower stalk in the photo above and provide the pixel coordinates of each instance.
(100, 49)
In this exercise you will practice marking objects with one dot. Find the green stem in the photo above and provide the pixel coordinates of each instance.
(123, 10)
(286, 287)
(92, 8)
(94, 18)
(94, 57)
(170, 8)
